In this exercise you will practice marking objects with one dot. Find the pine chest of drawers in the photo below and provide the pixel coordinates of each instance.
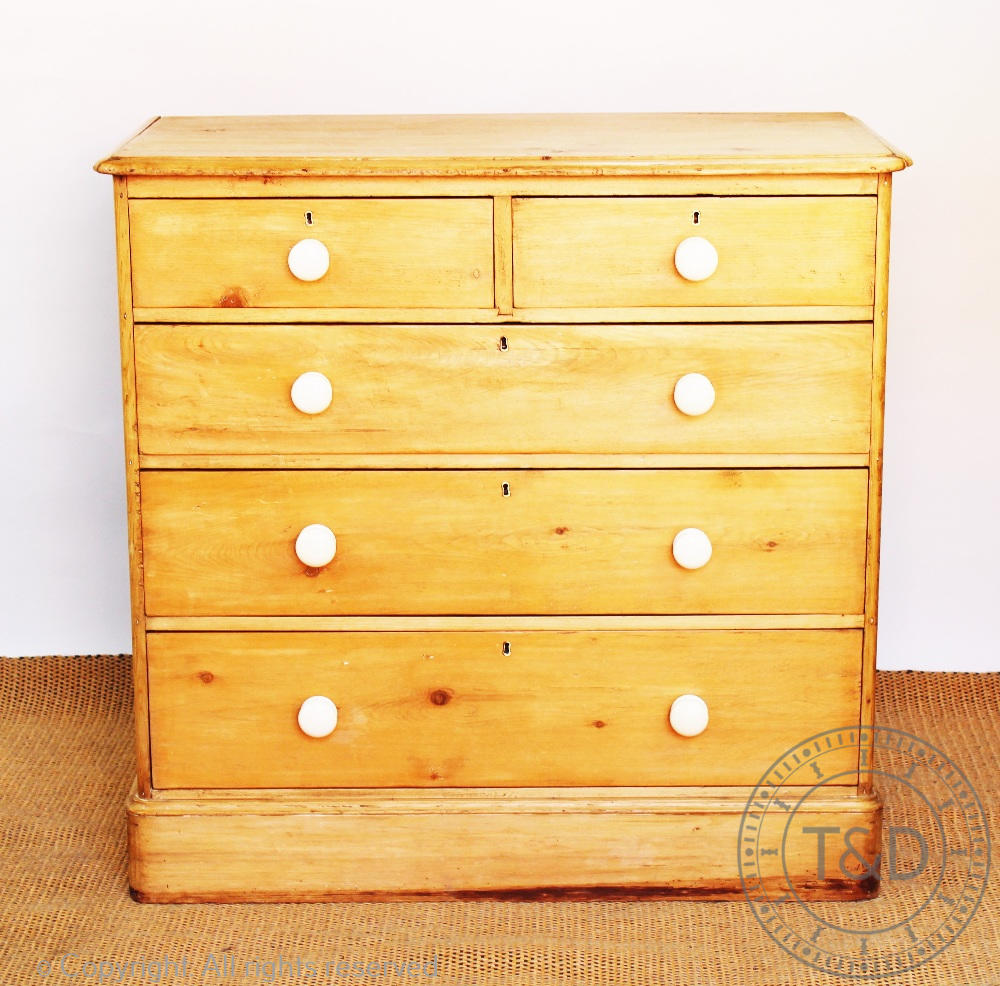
(503, 497)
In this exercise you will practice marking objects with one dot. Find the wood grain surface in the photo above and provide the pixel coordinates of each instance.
(595, 252)
(219, 253)
(493, 708)
(225, 389)
(448, 542)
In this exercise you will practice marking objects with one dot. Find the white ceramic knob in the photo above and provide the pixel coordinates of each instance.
(688, 715)
(695, 258)
(312, 392)
(692, 548)
(309, 260)
(316, 545)
(317, 716)
(694, 394)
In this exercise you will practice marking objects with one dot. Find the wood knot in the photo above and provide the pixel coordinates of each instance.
(599, 723)
(441, 696)
(869, 885)
(561, 530)
(206, 676)
(311, 572)
(233, 298)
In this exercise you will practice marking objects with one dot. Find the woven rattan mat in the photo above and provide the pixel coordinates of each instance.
(65, 768)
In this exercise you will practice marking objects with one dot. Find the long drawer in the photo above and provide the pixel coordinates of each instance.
(622, 252)
(219, 253)
(472, 388)
(446, 709)
(516, 542)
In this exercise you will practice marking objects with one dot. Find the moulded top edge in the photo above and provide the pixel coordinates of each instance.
(622, 144)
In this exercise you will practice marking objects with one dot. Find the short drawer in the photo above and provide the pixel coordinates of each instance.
(235, 253)
(622, 252)
(480, 389)
(517, 541)
(459, 708)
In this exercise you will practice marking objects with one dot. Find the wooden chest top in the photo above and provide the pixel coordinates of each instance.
(507, 144)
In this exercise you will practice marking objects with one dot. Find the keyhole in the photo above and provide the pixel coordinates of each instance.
(309, 219)
(503, 344)
(696, 218)
(506, 489)
(506, 648)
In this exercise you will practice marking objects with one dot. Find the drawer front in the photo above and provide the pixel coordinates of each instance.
(516, 541)
(620, 252)
(469, 388)
(446, 709)
(219, 253)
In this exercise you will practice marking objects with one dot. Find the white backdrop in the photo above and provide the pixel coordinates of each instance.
(76, 81)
